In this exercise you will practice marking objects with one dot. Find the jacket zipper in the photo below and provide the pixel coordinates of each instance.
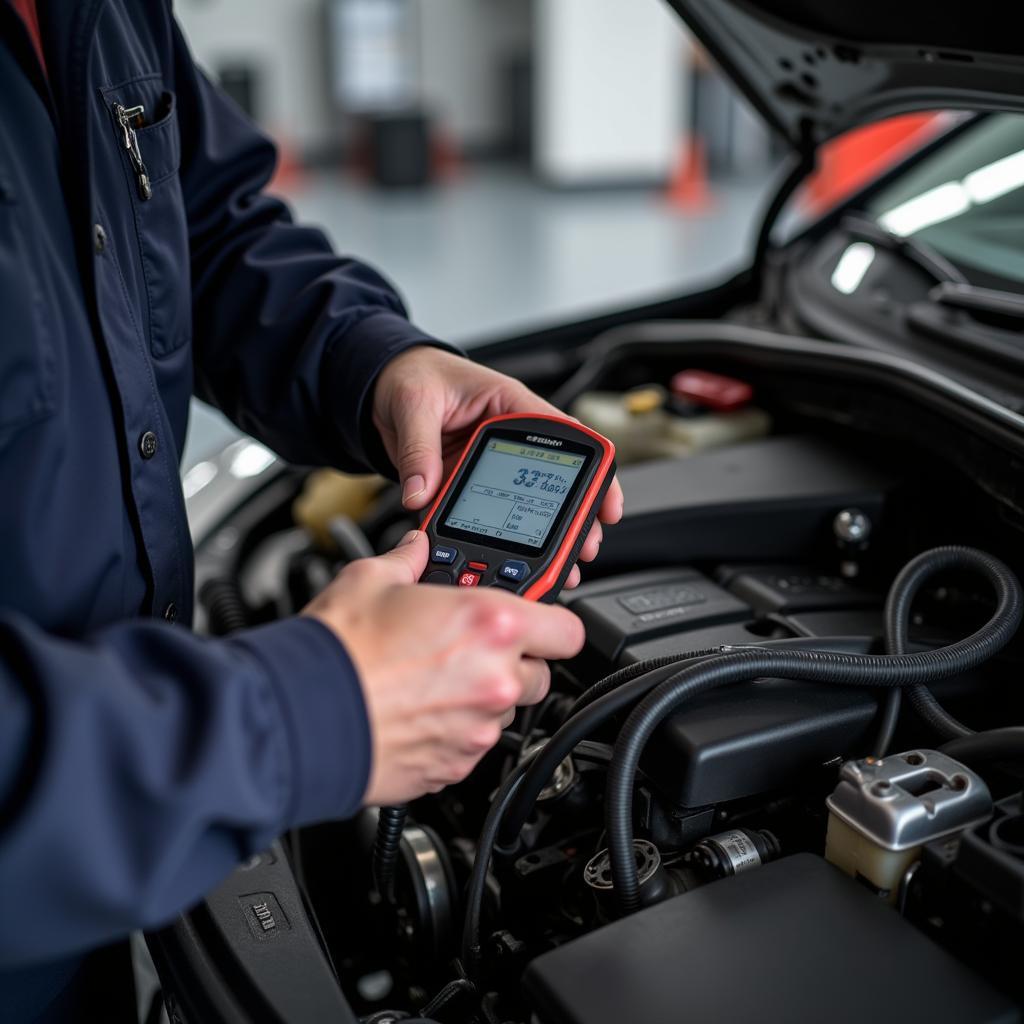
(128, 118)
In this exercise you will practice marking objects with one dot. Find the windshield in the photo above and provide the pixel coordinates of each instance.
(966, 200)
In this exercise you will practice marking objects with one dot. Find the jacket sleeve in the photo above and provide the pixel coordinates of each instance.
(138, 767)
(288, 337)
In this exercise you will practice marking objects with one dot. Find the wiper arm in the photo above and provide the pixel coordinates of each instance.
(919, 253)
(982, 321)
(990, 303)
(995, 317)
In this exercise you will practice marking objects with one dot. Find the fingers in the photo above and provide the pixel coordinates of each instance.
(418, 430)
(611, 508)
(478, 733)
(535, 676)
(546, 631)
(592, 544)
(589, 551)
(406, 562)
(551, 632)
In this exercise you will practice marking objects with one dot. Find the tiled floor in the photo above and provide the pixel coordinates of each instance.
(495, 253)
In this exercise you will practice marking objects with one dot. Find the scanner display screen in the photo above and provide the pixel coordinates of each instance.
(515, 492)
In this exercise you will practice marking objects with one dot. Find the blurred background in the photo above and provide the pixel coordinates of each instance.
(510, 164)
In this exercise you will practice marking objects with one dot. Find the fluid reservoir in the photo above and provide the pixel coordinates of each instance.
(885, 809)
(646, 423)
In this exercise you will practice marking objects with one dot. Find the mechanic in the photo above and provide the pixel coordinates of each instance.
(141, 261)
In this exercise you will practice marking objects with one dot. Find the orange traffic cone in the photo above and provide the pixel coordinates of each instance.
(289, 173)
(445, 158)
(688, 188)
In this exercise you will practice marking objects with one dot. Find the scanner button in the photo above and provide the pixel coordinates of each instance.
(513, 570)
(441, 555)
(469, 579)
(437, 576)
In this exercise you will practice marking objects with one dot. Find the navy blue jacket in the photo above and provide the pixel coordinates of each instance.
(138, 762)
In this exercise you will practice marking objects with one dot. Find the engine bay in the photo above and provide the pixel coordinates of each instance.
(721, 800)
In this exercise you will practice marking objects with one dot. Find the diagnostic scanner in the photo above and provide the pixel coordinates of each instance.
(518, 506)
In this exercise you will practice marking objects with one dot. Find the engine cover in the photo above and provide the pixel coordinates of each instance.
(794, 941)
(743, 740)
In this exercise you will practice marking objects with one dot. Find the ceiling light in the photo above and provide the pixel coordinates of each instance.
(852, 267)
(932, 207)
(996, 179)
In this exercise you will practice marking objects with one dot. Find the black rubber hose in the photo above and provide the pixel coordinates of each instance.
(226, 611)
(624, 675)
(543, 764)
(898, 605)
(814, 666)
(891, 704)
(350, 540)
(993, 745)
(589, 717)
(386, 844)
(895, 643)
(471, 947)
(512, 805)
(518, 793)
(897, 620)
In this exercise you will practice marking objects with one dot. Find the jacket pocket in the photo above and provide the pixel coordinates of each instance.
(153, 150)
(27, 383)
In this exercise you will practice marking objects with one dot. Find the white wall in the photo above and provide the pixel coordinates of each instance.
(462, 46)
(284, 40)
(609, 90)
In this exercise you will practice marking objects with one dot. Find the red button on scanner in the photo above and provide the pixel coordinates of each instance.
(469, 579)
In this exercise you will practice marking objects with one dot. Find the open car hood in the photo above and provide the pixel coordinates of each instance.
(815, 68)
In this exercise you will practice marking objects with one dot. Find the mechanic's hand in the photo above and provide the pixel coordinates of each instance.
(442, 668)
(426, 405)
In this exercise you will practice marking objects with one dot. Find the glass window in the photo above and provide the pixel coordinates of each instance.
(966, 200)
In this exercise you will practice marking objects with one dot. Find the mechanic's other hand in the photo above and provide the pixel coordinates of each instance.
(440, 667)
(426, 405)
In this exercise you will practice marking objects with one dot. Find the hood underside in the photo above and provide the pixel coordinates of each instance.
(815, 68)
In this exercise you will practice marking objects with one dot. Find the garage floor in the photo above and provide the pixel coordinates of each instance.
(495, 253)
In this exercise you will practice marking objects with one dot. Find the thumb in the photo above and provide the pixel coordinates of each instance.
(406, 562)
(418, 431)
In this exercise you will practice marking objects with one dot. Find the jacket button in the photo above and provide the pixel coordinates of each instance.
(99, 237)
(171, 612)
(147, 444)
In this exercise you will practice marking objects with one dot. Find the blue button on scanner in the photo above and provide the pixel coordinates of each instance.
(513, 570)
(444, 556)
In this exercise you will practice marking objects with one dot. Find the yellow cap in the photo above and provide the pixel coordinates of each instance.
(644, 400)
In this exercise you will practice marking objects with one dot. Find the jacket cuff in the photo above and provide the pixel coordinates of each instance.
(353, 365)
(323, 714)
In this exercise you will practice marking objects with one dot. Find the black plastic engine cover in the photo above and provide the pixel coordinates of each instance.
(770, 499)
(640, 606)
(742, 740)
(756, 737)
(793, 941)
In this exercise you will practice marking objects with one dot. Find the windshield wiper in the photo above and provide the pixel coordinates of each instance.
(984, 321)
(1004, 309)
(919, 253)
